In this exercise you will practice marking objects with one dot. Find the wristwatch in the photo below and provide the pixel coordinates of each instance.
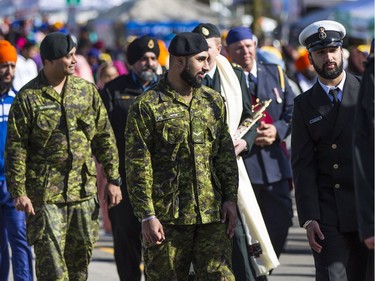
(117, 181)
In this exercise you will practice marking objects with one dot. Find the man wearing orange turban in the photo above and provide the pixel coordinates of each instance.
(12, 222)
(8, 59)
(305, 74)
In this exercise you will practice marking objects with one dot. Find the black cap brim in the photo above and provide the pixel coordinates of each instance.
(323, 45)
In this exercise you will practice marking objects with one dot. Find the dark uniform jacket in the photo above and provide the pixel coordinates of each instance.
(117, 96)
(271, 164)
(322, 157)
(364, 152)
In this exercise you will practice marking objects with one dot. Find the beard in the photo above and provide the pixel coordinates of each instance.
(147, 75)
(5, 86)
(331, 74)
(192, 80)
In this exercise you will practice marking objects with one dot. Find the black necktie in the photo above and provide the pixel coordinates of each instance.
(207, 80)
(252, 84)
(336, 101)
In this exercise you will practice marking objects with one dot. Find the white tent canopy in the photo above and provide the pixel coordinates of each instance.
(157, 10)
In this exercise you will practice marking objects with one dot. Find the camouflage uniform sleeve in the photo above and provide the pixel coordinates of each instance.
(104, 142)
(138, 166)
(225, 162)
(16, 147)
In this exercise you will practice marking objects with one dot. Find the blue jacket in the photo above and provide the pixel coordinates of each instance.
(270, 164)
(5, 103)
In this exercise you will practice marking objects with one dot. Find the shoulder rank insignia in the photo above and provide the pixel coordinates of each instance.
(236, 65)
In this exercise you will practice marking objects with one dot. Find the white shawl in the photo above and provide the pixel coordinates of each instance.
(252, 219)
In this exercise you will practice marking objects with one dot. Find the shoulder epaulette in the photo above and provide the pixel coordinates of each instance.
(236, 65)
(267, 63)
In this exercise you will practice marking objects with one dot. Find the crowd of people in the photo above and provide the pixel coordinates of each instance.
(163, 140)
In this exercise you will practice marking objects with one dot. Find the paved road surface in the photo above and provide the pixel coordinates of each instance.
(296, 261)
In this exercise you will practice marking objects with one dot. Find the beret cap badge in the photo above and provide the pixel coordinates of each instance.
(322, 34)
(150, 44)
(205, 31)
(138, 47)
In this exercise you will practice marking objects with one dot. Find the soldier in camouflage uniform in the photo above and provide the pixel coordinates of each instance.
(56, 124)
(181, 170)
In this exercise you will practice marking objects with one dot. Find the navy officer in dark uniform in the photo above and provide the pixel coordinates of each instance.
(322, 158)
(267, 164)
(142, 56)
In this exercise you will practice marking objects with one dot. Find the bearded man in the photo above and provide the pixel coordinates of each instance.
(142, 56)
(322, 158)
(181, 170)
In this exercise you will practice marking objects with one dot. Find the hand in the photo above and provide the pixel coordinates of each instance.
(267, 134)
(239, 146)
(229, 213)
(113, 194)
(152, 231)
(23, 203)
(369, 242)
(313, 230)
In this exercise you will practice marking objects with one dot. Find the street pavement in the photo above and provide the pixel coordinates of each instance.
(296, 262)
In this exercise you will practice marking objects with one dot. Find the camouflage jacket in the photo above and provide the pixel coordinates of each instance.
(180, 162)
(51, 139)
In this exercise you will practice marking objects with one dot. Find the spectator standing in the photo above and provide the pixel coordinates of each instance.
(181, 170)
(305, 74)
(83, 69)
(322, 158)
(12, 222)
(26, 68)
(106, 72)
(267, 164)
(118, 95)
(357, 59)
(57, 122)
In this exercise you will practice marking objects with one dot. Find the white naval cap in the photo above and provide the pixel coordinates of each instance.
(322, 34)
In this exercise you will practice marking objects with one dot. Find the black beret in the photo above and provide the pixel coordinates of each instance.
(187, 43)
(56, 45)
(139, 47)
(208, 30)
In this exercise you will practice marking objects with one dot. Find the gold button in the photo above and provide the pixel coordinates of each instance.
(337, 185)
(334, 146)
(335, 166)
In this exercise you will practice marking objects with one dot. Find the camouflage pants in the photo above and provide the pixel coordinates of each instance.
(205, 246)
(63, 236)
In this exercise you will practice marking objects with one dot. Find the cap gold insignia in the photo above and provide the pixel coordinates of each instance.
(205, 31)
(150, 44)
(322, 34)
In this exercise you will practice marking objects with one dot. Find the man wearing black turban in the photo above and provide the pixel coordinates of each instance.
(142, 56)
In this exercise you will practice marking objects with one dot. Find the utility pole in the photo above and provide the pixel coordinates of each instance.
(72, 15)
(257, 11)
